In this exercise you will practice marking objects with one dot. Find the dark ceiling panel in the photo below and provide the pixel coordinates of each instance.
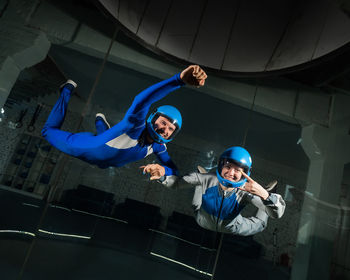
(256, 34)
(242, 38)
(153, 21)
(213, 36)
(131, 12)
(302, 37)
(112, 6)
(335, 32)
(181, 27)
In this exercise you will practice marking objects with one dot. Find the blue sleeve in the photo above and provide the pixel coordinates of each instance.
(166, 162)
(136, 115)
(142, 102)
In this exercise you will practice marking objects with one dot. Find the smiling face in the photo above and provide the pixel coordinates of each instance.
(164, 127)
(231, 171)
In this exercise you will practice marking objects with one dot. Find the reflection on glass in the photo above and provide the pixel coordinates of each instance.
(61, 218)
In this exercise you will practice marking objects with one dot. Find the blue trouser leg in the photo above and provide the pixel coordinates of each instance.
(58, 112)
(51, 130)
(100, 126)
(76, 144)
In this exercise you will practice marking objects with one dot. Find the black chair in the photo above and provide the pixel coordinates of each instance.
(89, 199)
(186, 227)
(138, 213)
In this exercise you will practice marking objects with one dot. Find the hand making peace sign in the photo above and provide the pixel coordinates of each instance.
(254, 187)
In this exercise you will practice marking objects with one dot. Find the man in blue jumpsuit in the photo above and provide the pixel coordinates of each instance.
(219, 198)
(131, 139)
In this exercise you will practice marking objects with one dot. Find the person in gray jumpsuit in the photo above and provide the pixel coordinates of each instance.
(219, 198)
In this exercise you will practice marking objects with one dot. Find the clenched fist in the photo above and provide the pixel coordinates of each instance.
(193, 75)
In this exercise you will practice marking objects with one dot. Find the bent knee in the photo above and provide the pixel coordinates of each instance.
(45, 132)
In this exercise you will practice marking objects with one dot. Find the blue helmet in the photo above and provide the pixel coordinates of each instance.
(169, 112)
(238, 156)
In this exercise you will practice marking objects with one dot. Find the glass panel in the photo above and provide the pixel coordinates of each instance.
(62, 217)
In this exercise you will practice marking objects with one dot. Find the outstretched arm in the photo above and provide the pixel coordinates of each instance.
(157, 172)
(192, 75)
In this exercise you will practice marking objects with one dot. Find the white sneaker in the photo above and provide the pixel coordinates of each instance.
(69, 82)
(270, 186)
(74, 84)
(201, 169)
(100, 116)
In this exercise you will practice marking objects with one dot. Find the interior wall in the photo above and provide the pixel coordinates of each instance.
(210, 124)
(202, 114)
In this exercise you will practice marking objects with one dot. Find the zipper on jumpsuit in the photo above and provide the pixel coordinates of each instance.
(222, 201)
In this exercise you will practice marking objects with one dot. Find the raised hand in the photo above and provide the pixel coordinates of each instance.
(254, 187)
(193, 75)
(155, 170)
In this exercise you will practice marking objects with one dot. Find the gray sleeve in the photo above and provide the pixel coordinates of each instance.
(185, 181)
(274, 205)
(246, 226)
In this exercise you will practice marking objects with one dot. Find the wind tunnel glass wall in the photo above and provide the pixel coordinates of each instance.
(115, 221)
(57, 209)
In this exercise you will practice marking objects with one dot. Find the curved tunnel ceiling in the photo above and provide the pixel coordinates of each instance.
(250, 36)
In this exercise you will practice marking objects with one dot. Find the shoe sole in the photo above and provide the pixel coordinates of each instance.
(70, 82)
(201, 169)
(270, 186)
(74, 84)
